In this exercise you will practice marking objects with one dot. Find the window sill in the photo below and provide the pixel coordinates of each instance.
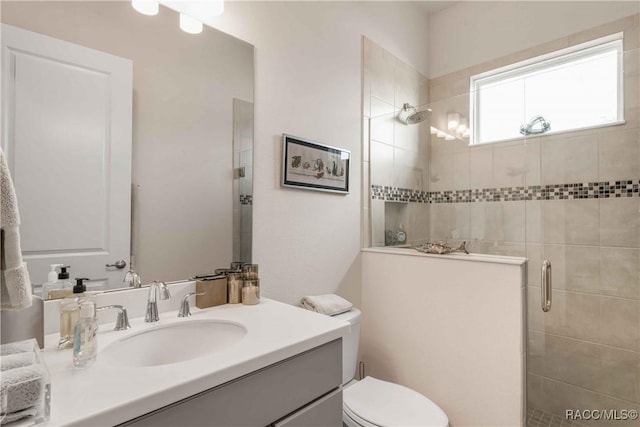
(560, 132)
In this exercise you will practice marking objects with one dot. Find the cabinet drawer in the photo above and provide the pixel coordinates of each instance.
(259, 398)
(324, 412)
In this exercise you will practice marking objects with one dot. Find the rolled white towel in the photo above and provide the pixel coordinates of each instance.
(23, 387)
(17, 360)
(329, 304)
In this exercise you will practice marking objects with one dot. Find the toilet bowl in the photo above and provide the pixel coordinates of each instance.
(371, 402)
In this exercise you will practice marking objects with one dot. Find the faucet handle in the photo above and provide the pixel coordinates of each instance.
(164, 291)
(133, 279)
(185, 310)
(122, 321)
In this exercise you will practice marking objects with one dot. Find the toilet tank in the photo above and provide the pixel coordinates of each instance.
(350, 343)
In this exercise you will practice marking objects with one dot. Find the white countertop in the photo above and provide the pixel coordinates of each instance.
(104, 394)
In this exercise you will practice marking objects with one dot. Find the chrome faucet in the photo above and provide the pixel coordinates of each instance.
(152, 305)
(133, 279)
(185, 310)
(122, 321)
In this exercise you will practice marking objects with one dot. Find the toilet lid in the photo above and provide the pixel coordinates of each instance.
(382, 403)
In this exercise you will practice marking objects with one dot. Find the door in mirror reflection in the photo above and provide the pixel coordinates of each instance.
(68, 140)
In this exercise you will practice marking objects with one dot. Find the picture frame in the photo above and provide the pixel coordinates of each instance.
(310, 165)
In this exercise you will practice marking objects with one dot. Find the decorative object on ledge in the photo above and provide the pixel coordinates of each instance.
(531, 128)
(440, 248)
(312, 166)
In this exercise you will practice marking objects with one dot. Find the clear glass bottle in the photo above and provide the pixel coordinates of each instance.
(251, 291)
(70, 314)
(250, 271)
(234, 288)
(85, 341)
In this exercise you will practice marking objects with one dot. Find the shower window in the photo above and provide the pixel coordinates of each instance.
(574, 88)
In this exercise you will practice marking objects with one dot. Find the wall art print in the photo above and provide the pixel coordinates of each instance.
(312, 166)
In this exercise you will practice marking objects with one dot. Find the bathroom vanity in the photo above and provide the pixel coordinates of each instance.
(300, 391)
(284, 370)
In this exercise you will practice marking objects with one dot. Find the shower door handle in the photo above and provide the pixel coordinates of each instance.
(546, 286)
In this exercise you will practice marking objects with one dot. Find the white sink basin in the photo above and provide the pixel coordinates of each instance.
(176, 342)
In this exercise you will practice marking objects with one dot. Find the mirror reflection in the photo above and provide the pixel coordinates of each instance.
(129, 141)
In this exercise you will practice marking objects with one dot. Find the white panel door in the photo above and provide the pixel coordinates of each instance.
(67, 113)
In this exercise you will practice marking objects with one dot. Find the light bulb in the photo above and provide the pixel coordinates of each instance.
(462, 125)
(216, 7)
(453, 120)
(189, 24)
(146, 7)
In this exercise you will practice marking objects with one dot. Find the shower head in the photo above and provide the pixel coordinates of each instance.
(410, 116)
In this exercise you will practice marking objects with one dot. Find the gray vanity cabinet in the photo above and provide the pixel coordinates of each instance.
(303, 390)
(326, 411)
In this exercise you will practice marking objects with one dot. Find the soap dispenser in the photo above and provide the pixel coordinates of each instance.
(54, 288)
(64, 276)
(53, 273)
(70, 313)
(60, 288)
(85, 342)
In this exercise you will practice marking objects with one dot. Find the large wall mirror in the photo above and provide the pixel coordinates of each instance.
(127, 139)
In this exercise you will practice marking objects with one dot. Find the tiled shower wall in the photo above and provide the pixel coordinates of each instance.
(571, 198)
(398, 153)
(242, 180)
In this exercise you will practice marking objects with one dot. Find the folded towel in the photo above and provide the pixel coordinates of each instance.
(329, 304)
(16, 347)
(18, 415)
(23, 387)
(15, 285)
(17, 360)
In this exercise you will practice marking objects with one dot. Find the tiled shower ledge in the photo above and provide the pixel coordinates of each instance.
(495, 259)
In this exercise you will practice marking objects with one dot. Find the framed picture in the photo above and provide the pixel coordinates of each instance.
(312, 166)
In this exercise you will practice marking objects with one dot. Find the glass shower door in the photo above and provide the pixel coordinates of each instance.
(583, 223)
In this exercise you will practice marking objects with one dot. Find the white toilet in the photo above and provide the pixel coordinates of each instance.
(374, 403)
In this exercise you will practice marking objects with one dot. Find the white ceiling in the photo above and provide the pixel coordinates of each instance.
(435, 6)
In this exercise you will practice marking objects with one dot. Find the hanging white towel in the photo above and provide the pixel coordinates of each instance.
(329, 304)
(15, 286)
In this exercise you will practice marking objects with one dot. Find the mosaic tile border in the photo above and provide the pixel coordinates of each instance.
(246, 199)
(583, 190)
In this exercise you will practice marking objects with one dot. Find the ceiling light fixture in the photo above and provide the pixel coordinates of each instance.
(192, 13)
(146, 7)
(190, 25)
